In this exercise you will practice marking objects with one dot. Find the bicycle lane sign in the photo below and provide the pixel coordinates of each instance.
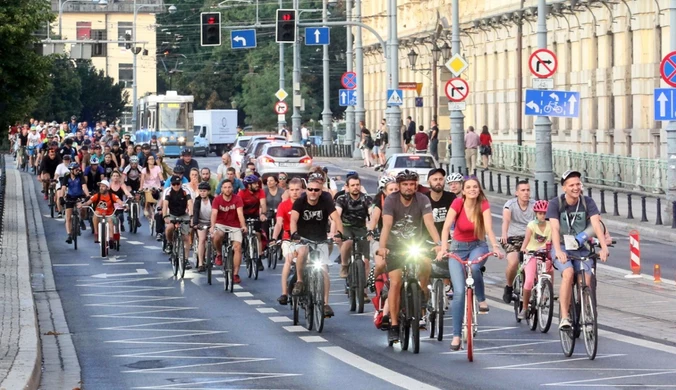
(562, 104)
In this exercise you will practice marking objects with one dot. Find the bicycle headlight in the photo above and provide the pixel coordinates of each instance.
(315, 257)
(317, 265)
(414, 251)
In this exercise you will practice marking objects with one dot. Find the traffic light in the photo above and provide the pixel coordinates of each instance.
(286, 26)
(211, 28)
(127, 37)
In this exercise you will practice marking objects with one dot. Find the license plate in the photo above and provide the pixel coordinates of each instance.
(287, 164)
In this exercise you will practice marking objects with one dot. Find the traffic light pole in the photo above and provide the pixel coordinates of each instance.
(393, 113)
(281, 120)
(296, 117)
(327, 115)
(359, 111)
(457, 117)
(349, 111)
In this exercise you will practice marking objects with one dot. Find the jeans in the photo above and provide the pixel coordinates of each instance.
(434, 148)
(465, 250)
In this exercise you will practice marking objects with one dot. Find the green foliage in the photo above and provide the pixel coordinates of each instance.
(62, 97)
(101, 97)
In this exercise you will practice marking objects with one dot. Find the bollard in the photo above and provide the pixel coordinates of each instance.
(644, 216)
(673, 215)
(452, 169)
(460, 170)
(483, 179)
(589, 192)
(658, 218)
(507, 191)
(499, 183)
(546, 192)
(603, 201)
(616, 209)
(630, 212)
(657, 274)
(537, 189)
(517, 179)
(490, 181)
(634, 254)
(475, 173)
(467, 171)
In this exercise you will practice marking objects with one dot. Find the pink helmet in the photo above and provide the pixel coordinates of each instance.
(541, 206)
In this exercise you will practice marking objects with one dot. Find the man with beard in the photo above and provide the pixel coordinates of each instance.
(205, 176)
(254, 207)
(284, 222)
(440, 200)
(353, 208)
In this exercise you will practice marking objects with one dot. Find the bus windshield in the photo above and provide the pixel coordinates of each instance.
(172, 117)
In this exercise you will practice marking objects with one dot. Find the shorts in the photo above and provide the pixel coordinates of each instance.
(352, 231)
(235, 234)
(185, 228)
(287, 248)
(376, 149)
(383, 149)
(586, 265)
(513, 244)
(71, 202)
(323, 253)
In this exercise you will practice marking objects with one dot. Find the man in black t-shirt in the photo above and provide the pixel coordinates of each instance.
(441, 200)
(177, 205)
(48, 168)
(310, 220)
(353, 208)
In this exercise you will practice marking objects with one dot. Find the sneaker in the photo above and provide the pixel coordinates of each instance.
(283, 300)
(236, 279)
(200, 269)
(260, 266)
(218, 261)
(298, 288)
(564, 324)
(422, 324)
(522, 315)
(138, 223)
(121, 227)
(158, 237)
(328, 312)
(507, 294)
(343, 271)
(83, 226)
(188, 265)
(393, 334)
(69, 240)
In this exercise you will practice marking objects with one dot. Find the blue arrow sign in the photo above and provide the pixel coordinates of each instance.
(242, 39)
(317, 36)
(394, 97)
(347, 97)
(562, 104)
(418, 101)
(665, 105)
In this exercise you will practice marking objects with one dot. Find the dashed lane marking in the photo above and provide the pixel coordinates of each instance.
(243, 294)
(130, 263)
(530, 366)
(294, 329)
(252, 302)
(69, 265)
(134, 242)
(313, 339)
(280, 319)
(151, 247)
(266, 310)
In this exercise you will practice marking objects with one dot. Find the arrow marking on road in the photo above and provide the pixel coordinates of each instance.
(139, 271)
(317, 34)
(663, 103)
(572, 102)
(533, 106)
(237, 38)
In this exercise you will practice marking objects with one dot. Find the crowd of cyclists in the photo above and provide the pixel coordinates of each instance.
(450, 214)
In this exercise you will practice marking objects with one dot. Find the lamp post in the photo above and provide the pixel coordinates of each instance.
(457, 117)
(100, 3)
(281, 119)
(349, 111)
(327, 115)
(437, 54)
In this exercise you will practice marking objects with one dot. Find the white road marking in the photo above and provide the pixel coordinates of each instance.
(69, 265)
(134, 242)
(376, 370)
(495, 329)
(130, 263)
(253, 302)
(249, 376)
(243, 294)
(584, 382)
(151, 247)
(235, 360)
(236, 287)
(139, 271)
(558, 361)
(266, 310)
(313, 339)
(638, 342)
(280, 319)
(294, 329)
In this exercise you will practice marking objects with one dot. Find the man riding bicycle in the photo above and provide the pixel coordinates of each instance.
(310, 219)
(75, 189)
(295, 189)
(405, 215)
(34, 141)
(105, 205)
(254, 206)
(454, 182)
(569, 216)
(48, 168)
(227, 216)
(353, 209)
(177, 205)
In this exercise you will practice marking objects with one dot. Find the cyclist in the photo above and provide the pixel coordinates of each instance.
(105, 205)
(283, 225)
(132, 179)
(159, 220)
(118, 188)
(61, 171)
(76, 188)
(405, 216)
(48, 168)
(93, 174)
(230, 174)
(570, 215)
(227, 216)
(32, 146)
(187, 162)
(151, 178)
(67, 148)
(471, 215)
(516, 214)
(177, 204)
(23, 142)
(205, 177)
(108, 165)
(353, 209)
(201, 216)
(440, 199)
(254, 206)
(454, 182)
(310, 219)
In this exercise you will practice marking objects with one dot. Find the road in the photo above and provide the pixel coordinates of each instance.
(136, 327)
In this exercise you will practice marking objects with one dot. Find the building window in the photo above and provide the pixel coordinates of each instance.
(123, 28)
(99, 49)
(83, 30)
(126, 75)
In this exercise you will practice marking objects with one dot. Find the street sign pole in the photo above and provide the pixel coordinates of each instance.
(359, 111)
(327, 115)
(349, 111)
(393, 113)
(543, 126)
(457, 159)
(295, 94)
(671, 129)
(281, 120)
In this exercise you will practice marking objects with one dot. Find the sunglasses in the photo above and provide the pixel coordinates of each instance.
(282, 178)
(176, 184)
(314, 189)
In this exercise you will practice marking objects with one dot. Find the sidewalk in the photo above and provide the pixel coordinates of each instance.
(630, 306)
(20, 353)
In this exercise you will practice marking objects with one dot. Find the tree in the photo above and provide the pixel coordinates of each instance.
(101, 97)
(62, 96)
(24, 73)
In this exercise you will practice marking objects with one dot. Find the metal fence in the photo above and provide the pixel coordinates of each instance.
(332, 150)
(633, 173)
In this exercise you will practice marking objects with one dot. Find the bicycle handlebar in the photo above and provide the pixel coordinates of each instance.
(306, 241)
(470, 262)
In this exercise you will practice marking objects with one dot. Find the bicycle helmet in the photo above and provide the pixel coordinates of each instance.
(133, 160)
(179, 169)
(93, 160)
(250, 179)
(73, 165)
(186, 152)
(407, 175)
(384, 181)
(351, 173)
(541, 206)
(316, 177)
(204, 186)
(454, 177)
(325, 169)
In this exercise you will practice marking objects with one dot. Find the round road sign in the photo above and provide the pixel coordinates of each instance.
(456, 89)
(281, 108)
(543, 63)
(668, 69)
(349, 80)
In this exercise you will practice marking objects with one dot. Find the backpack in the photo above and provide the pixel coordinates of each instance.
(562, 204)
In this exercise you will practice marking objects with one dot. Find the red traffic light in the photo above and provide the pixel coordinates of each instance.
(211, 20)
(287, 17)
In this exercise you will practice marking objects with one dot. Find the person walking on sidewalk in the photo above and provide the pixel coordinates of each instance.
(485, 142)
(421, 141)
(408, 134)
(472, 142)
(434, 140)
(366, 144)
(384, 143)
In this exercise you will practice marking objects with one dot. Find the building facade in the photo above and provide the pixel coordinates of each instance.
(87, 20)
(609, 51)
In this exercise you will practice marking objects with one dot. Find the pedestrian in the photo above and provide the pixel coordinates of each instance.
(434, 140)
(304, 135)
(366, 144)
(226, 162)
(421, 140)
(485, 150)
(384, 142)
(471, 144)
(408, 134)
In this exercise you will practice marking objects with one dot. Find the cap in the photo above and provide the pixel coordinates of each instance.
(436, 170)
(66, 157)
(146, 147)
(568, 174)
(152, 137)
(105, 183)
(176, 180)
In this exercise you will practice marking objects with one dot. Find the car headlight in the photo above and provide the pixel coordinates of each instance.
(181, 139)
(164, 140)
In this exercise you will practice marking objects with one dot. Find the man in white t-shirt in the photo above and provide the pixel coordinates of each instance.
(304, 134)
(61, 171)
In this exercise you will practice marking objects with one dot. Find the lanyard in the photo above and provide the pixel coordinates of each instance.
(571, 223)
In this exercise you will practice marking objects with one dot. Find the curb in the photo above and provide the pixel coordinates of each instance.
(26, 370)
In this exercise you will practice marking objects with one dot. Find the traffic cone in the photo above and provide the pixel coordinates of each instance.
(657, 271)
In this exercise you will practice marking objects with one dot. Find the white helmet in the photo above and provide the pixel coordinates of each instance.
(384, 181)
(454, 177)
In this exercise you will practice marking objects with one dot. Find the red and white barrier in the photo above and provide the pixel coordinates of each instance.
(634, 254)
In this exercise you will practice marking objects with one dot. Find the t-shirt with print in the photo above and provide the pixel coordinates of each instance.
(104, 204)
(538, 238)
(519, 218)
(440, 208)
(407, 221)
(251, 202)
(284, 211)
(574, 218)
(464, 228)
(227, 210)
(313, 221)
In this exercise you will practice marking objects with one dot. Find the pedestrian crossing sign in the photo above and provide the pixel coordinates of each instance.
(394, 97)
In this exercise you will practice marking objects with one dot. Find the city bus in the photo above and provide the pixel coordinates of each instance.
(170, 118)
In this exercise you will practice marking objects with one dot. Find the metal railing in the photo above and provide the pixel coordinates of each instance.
(333, 150)
(638, 174)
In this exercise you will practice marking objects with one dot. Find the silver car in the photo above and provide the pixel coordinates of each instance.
(237, 151)
(290, 158)
(418, 163)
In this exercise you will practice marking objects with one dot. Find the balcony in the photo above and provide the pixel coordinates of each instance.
(114, 6)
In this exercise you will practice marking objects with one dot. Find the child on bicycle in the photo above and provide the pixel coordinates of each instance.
(538, 235)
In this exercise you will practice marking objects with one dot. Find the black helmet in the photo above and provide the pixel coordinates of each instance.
(204, 186)
(186, 152)
(179, 169)
(406, 175)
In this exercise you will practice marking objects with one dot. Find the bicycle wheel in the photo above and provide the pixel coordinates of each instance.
(567, 336)
(103, 239)
(208, 261)
(517, 286)
(545, 305)
(254, 256)
(180, 254)
(352, 283)
(361, 284)
(52, 204)
(308, 297)
(439, 309)
(294, 307)
(229, 274)
(246, 254)
(404, 323)
(75, 227)
(532, 315)
(589, 323)
(133, 216)
(151, 225)
(469, 324)
(277, 251)
(318, 300)
(415, 314)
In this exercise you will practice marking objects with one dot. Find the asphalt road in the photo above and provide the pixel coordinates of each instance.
(135, 326)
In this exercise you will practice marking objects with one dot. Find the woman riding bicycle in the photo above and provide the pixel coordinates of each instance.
(201, 216)
(473, 221)
(120, 189)
(151, 177)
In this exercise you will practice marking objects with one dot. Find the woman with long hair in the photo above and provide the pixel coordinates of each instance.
(151, 178)
(485, 142)
(471, 215)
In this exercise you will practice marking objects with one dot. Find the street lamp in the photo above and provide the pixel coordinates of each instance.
(446, 50)
(100, 3)
(412, 58)
(436, 53)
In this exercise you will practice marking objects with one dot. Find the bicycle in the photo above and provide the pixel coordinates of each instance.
(250, 249)
(51, 192)
(134, 210)
(154, 209)
(104, 235)
(541, 304)
(228, 256)
(274, 253)
(470, 326)
(75, 230)
(311, 300)
(438, 299)
(208, 251)
(356, 277)
(178, 256)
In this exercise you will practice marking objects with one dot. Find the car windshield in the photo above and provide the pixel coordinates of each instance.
(414, 162)
(259, 147)
(243, 143)
(288, 152)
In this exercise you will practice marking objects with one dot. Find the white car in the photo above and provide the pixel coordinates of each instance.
(290, 158)
(237, 151)
(418, 163)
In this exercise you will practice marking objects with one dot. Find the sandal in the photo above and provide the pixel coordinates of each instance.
(484, 309)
